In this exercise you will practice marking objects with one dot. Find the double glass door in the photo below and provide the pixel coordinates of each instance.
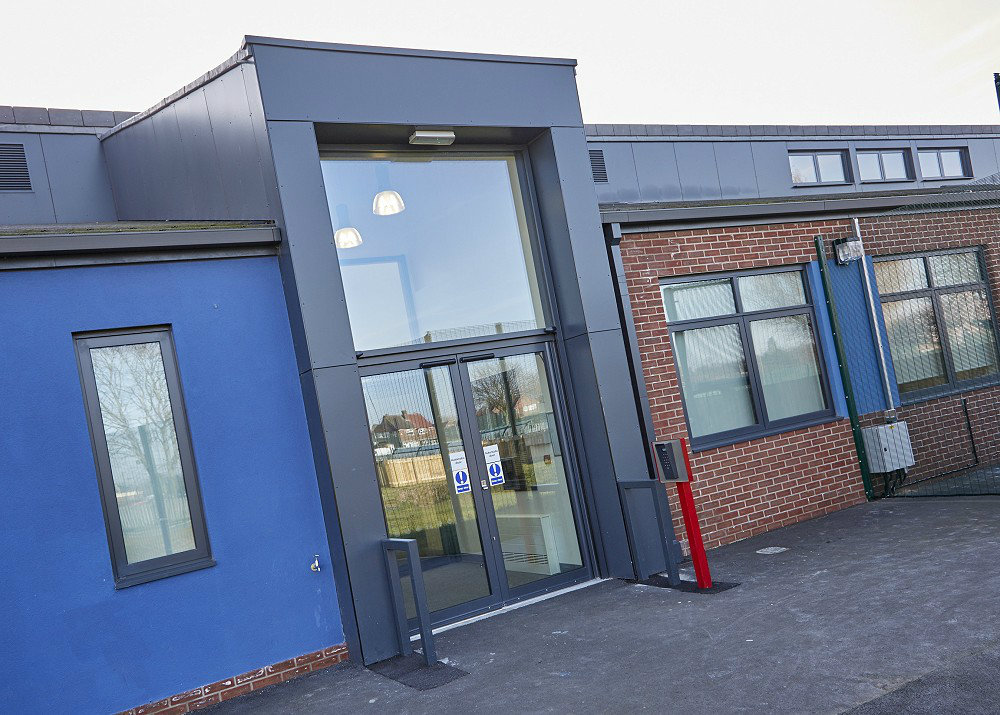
(471, 464)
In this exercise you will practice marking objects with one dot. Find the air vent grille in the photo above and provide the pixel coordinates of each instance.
(14, 168)
(598, 169)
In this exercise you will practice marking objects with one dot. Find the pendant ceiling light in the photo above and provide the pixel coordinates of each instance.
(387, 202)
(347, 236)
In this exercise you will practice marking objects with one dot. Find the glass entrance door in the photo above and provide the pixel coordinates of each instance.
(525, 467)
(470, 463)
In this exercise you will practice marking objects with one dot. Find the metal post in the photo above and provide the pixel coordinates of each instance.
(695, 541)
(396, 593)
(845, 374)
(409, 547)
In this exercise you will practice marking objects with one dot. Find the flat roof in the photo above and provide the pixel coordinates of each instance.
(402, 51)
(105, 227)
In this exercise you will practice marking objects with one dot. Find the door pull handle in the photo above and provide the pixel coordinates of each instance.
(472, 358)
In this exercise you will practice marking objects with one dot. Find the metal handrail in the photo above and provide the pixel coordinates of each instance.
(409, 547)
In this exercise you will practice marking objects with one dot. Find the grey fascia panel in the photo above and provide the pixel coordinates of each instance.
(49, 244)
(647, 216)
(317, 86)
(6, 114)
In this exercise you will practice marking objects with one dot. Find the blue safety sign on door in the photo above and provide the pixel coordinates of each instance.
(494, 469)
(462, 482)
(460, 472)
(496, 474)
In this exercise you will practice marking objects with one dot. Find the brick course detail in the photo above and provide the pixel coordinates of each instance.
(753, 486)
(237, 685)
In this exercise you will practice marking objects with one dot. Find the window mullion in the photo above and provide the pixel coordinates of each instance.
(949, 363)
(753, 373)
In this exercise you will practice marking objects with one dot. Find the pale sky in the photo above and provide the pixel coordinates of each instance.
(656, 62)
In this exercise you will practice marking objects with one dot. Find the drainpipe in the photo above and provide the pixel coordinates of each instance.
(873, 317)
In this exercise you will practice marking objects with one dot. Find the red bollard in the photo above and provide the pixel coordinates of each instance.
(691, 526)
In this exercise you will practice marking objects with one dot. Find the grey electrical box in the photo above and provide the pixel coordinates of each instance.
(669, 459)
(888, 447)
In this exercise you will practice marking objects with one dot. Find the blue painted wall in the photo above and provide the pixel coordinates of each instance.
(71, 642)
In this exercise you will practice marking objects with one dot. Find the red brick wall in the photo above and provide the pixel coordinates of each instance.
(939, 431)
(761, 484)
(237, 685)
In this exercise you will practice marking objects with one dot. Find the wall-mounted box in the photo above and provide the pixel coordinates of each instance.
(888, 447)
(669, 459)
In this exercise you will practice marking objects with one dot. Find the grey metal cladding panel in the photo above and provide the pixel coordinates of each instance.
(78, 177)
(603, 500)
(656, 169)
(983, 157)
(31, 115)
(696, 167)
(236, 144)
(774, 177)
(200, 157)
(33, 206)
(584, 235)
(325, 86)
(171, 193)
(308, 244)
(123, 192)
(615, 382)
(737, 174)
(359, 507)
(66, 117)
(152, 196)
(555, 227)
(622, 184)
(259, 125)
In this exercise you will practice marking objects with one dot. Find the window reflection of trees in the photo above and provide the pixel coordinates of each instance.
(142, 446)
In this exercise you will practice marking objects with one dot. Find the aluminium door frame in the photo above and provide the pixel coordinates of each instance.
(501, 593)
(495, 598)
(572, 477)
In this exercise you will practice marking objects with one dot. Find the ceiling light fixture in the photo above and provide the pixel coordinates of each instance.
(347, 236)
(432, 137)
(387, 203)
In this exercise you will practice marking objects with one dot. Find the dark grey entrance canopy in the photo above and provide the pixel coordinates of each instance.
(243, 143)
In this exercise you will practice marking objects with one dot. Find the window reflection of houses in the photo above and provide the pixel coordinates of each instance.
(407, 450)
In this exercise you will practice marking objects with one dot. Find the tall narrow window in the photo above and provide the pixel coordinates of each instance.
(142, 449)
(746, 354)
(939, 322)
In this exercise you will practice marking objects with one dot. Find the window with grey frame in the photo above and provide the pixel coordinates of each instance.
(884, 165)
(818, 167)
(143, 454)
(952, 163)
(939, 320)
(747, 354)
